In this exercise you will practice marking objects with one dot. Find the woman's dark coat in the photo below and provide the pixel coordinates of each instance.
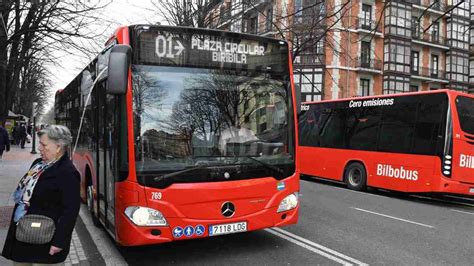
(56, 195)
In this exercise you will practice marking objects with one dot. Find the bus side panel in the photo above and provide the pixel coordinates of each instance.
(463, 164)
(399, 172)
(311, 161)
(403, 172)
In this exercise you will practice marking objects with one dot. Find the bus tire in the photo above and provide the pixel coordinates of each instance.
(355, 176)
(90, 205)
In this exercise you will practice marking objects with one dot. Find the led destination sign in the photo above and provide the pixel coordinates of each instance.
(228, 52)
(216, 50)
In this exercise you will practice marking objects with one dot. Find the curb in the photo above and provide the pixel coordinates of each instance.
(102, 240)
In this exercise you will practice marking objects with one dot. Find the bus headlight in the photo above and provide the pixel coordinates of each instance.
(143, 216)
(289, 202)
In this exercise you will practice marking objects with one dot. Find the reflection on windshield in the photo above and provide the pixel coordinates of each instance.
(465, 108)
(186, 117)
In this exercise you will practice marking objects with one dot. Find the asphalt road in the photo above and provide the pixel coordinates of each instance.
(338, 226)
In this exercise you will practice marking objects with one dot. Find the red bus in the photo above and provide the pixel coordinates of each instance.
(411, 142)
(185, 133)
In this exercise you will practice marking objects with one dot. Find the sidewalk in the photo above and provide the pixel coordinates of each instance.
(12, 167)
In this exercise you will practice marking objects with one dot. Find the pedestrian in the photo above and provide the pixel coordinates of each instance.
(4, 140)
(22, 134)
(16, 134)
(50, 188)
(29, 129)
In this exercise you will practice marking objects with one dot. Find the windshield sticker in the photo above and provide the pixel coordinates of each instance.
(177, 232)
(199, 229)
(281, 186)
(189, 231)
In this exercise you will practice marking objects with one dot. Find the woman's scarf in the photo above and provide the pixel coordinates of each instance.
(24, 190)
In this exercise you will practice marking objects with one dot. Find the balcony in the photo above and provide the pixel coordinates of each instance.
(437, 6)
(428, 73)
(367, 24)
(428, 38)
(364, 63)
(251, 4)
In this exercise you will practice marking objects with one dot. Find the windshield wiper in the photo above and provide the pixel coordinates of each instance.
(166, 176)
(267, 165)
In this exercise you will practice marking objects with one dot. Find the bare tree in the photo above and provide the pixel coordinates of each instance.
(29, 33)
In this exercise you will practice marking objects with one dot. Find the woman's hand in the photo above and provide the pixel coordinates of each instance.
(53, 250)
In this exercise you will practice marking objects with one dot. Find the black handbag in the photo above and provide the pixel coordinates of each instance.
(35, 229)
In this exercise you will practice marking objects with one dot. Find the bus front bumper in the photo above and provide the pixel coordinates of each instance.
(129, 234)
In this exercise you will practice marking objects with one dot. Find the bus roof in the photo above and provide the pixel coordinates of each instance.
(448, 91)
(191, 29)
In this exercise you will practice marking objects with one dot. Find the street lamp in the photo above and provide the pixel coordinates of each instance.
(33, 130)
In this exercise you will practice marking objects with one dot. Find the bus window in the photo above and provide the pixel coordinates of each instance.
(465, 108)
(363, 128)
(332, 128)
(397, 128)
(429, 130)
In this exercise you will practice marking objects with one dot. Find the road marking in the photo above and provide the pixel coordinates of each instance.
(471, 213)
(393, 217)
(345, 188)
(314, 247)
(443, 201)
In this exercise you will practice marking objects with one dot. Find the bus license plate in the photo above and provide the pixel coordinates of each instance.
(224, 229)
(471, 190)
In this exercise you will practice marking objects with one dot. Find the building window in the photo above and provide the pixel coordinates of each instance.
(457, 30)
(365, 87)
(434, 66)
(269, 19)
(365, 54)
(398, 19)
(252, 25)
(462, 9)
(413, 88)
(395, 84)
(415, 27)
(457, 66)
(435, 32)
(309, 82)
(397, 55)
(471, 70)
(366, 16)
(415, 62)
(298, 11)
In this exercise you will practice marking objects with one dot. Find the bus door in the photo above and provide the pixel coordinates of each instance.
(106, 157)
(110, 157)
(463, 152)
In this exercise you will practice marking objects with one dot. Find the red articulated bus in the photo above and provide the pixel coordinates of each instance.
(411, 142)
(185, 133)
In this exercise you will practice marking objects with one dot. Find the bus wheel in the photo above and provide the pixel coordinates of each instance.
(90, 205)
(355, 177)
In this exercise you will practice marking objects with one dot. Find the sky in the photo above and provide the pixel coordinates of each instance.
(120, 12)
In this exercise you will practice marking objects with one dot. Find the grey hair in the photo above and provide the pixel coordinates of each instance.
(59, 134)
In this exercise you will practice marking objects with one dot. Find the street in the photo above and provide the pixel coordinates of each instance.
(336, 226)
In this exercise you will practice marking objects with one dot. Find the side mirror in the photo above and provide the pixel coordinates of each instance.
(119, 62)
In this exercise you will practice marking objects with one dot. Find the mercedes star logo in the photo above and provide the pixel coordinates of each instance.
(228, 209)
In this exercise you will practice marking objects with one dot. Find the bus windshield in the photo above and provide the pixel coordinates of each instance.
(465, 107)
(186, 117)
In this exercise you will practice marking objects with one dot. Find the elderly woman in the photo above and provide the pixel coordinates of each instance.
(50, 188)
